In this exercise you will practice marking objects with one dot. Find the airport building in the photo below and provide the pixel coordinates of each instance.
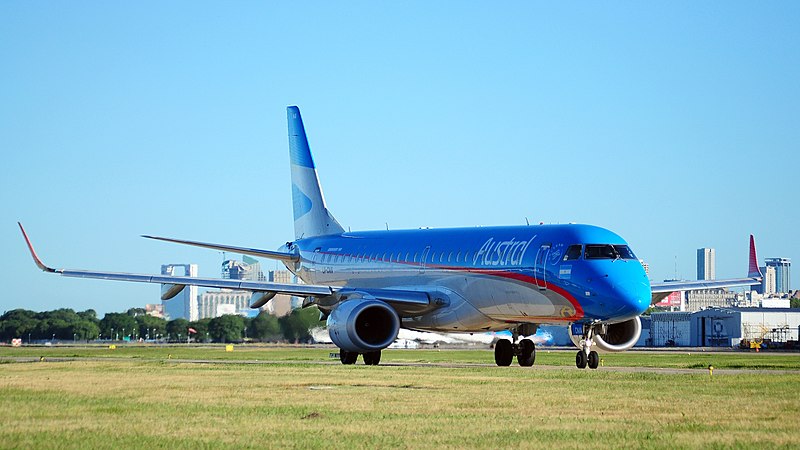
(723, 327)
(706, 264)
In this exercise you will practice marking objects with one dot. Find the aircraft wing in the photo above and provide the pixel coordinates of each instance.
(754, 276)
(406, 302)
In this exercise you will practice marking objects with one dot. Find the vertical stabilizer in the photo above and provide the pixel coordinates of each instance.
(311, 216)
(753, 271)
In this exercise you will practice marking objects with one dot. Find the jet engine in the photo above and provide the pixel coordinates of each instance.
(617, 337)
(363, 325)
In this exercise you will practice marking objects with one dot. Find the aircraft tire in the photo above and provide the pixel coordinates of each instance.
(527, 353)
(594, 360)
(372, 358)
(347, 357)
(581, 359)
(503, 352)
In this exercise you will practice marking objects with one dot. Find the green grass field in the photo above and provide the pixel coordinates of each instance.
(135, 396)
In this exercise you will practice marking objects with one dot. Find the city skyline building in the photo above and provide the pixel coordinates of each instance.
(706, 264)
(783, 272)
(183, 305)
(767, 285)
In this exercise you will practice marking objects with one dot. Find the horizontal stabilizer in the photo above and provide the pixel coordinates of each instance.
(662, 290)
(269, 254)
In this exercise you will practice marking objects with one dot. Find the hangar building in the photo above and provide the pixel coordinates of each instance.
(724, 327)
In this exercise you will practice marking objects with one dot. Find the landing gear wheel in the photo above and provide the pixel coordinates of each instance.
(348, 357)
(372, 358)
(527, 353)
(580, 359)
(594, 360)
(503, 352)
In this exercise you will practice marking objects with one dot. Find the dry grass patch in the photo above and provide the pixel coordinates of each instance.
(151, 403)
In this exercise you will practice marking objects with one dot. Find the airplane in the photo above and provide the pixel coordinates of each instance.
(369, 284)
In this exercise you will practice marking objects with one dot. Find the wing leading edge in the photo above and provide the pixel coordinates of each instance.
(754, 276)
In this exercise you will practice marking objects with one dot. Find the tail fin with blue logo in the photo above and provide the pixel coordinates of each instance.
(311, 216)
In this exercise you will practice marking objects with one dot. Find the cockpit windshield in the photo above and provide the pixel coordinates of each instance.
(608, 251)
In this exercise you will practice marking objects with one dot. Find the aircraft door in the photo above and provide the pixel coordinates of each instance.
(539, 269)
(423, 261)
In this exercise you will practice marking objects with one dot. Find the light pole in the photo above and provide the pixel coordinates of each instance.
(112, 335)
(123, 334)
(74, 337)
(53, 338)
(29, 339)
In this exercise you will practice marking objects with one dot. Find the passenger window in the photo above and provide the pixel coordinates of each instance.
(415, 256)
(573, 253)
(458, 256)
(407, 255)
(450, 257)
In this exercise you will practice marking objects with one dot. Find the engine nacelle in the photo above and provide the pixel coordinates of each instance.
(618, 337)
(363, 325)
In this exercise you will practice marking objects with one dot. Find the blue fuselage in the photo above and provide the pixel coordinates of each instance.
(493, 276)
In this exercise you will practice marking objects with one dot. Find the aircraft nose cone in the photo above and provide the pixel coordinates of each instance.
(633, 298)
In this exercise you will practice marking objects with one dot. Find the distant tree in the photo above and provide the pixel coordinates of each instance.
(297, 325)
(227, 328)
(85, 330)
(135, 312)
(177, 329)
(90, 315)
(265, 327)
(794, 302)
(121, 324)
(201, 326)
(150, 326)
(18, 323)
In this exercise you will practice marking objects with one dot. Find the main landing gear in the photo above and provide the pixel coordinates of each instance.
(505, 351)
(370, 358)
(586, 356)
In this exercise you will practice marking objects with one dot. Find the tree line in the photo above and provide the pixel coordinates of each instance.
(135, 324)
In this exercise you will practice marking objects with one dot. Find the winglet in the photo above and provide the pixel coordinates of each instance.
(36, 259)
(753, 270)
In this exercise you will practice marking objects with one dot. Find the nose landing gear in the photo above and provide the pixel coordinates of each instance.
(586, 357)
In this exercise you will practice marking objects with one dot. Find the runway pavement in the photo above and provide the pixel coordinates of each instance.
(444, 365)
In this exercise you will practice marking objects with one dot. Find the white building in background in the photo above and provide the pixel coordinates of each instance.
(224, 301)
(768, 285)
(706, 264)
(183, 305)
(709, 298)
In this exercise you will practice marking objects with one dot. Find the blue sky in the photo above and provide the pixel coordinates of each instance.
(674, 124)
